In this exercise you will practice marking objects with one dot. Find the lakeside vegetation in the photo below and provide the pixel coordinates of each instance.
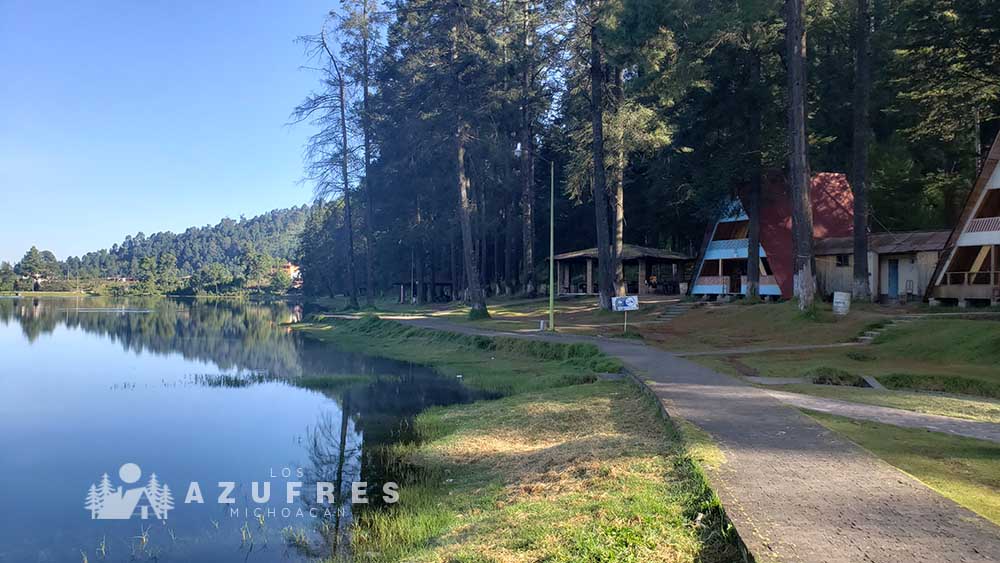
(563, 467)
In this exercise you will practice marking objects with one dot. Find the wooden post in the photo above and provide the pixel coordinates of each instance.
(995, 298)
(642, 276)
(590, 276)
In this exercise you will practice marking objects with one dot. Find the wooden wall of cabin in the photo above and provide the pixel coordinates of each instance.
(833, 274)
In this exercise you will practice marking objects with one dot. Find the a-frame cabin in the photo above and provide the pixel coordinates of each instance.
(722, 266)
(969, 269)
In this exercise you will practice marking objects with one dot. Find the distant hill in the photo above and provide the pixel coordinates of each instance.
(230, 242)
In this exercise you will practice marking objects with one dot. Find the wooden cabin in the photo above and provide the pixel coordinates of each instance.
(647, 270)
(969, 269)
(722, 265)
(900, 265)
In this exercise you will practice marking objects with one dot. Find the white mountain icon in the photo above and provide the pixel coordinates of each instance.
(106, 502)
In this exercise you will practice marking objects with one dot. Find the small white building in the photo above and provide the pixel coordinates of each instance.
(900, 265)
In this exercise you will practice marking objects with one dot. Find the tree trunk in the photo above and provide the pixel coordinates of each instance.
(495, 279)
(527, 154)
(756, 178)
(477, 301)
(352, 284)
(421, 267)
(510, 247)
(599, 181)
(366, 133)
(466, 208)
(618, 200)
(802, 225)
(859, 160)
(454, 268)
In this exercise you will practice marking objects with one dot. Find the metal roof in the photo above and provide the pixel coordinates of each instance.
(629, 252)
(887, 243)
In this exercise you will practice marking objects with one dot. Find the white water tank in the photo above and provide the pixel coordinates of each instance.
(841, 303)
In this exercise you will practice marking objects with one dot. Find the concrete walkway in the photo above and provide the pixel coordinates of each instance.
(897, 417)
(796, 491)
(762, 349)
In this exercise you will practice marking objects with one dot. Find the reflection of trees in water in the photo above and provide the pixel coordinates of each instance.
(333, 458)
(230, 334)
(374, 415)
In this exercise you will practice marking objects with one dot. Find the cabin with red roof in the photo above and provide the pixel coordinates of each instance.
(722, 266)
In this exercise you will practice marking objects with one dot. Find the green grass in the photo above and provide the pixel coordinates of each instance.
(927, 403)
(329, 382)
(563, 468)
(580, 473)
(500, 365)
(943, 384)
(825, 375)
(956, 356)
(962, 469)
(944, 341)
(761, 325)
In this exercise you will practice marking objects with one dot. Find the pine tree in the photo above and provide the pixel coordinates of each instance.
(166, 501)
(798, 141)
(104, 489)
(94, 502)
(153, 493)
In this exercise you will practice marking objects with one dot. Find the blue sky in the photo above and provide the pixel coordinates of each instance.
(121, 116)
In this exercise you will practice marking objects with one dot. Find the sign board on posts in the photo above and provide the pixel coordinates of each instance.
(627, 303)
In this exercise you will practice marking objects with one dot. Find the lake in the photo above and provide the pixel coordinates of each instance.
(206, 392)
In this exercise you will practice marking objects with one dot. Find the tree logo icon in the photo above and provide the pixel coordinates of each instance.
(106, 502)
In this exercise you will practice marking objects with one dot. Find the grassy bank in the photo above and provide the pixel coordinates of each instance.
(962, 469)
(941, 366)
(761, 325)
(500, 365)
(563, 468)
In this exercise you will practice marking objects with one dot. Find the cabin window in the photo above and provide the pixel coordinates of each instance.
(843, 260)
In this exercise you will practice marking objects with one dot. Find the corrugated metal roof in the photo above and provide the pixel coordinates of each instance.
(886, 243)
(629, 252)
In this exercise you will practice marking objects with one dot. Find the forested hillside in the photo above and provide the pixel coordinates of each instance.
(440, 120)
(240, 252)
(230, 243)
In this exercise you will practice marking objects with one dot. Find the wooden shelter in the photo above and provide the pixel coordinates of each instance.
(969, 269)
(647, 270)
(900, 265)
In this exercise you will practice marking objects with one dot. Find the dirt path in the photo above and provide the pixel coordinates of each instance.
(795, 490)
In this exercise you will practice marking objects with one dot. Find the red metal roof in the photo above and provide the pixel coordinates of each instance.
(833, 216)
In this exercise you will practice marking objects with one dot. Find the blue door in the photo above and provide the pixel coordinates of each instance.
(894, 279)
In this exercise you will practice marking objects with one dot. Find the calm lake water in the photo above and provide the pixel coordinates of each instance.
(187, 390)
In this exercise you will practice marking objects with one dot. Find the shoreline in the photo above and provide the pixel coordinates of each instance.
(584, 459)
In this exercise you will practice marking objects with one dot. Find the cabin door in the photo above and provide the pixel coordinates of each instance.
(894, 279)
(735, 283)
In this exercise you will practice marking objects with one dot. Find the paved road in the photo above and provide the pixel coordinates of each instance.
(796, 491)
